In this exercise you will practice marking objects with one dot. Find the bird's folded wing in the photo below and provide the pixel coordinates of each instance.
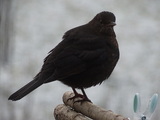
(71, 62)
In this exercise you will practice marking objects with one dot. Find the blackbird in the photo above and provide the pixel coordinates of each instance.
(85, 57)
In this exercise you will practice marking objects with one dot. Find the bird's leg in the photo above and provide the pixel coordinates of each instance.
(85, 98)
(76, 95)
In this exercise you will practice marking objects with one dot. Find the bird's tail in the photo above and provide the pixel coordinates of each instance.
(25, 90)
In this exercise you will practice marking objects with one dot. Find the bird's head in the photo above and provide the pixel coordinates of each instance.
(104, 22)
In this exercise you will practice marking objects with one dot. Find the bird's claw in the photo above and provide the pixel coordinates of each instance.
(83, 98)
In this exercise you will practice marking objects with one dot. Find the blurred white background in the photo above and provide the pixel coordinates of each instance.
(31, 28)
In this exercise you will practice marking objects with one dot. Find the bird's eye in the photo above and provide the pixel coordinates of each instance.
(101, 22)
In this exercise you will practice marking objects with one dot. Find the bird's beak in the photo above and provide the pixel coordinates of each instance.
(111, 24)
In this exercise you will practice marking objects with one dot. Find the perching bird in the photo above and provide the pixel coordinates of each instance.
(85, 57)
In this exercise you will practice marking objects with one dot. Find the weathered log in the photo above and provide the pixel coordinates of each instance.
(83, 109)
(63, 112)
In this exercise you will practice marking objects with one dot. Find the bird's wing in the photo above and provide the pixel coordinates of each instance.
(67, 63)
(48, 67)
(77, 58)
(72, 56)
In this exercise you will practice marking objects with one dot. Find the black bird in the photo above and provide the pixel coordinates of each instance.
(85, 57)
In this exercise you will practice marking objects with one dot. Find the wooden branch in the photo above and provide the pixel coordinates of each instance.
(63, 112)
(86, 108)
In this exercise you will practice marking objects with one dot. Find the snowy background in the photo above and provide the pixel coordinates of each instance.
(38, 26)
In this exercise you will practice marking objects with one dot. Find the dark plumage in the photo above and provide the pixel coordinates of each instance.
(85, 57)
